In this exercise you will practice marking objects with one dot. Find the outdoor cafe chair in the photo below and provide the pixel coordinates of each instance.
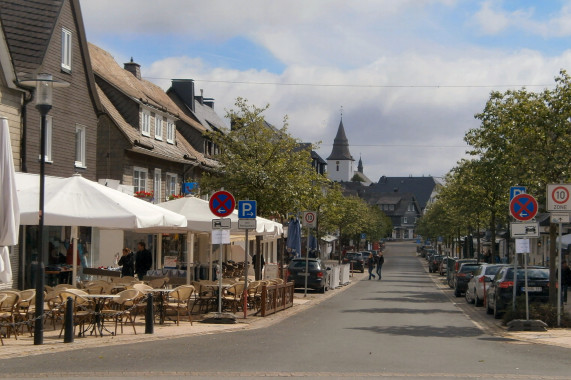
(158, 283)
(179, 301)
(82, 311)
(123, 308)
(25, 308)
(8, 312)
(233, 297)
(205, 296)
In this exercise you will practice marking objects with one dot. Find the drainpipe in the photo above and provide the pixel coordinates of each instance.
(28, 97)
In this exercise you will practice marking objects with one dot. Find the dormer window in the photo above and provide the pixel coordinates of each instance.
(146, 122)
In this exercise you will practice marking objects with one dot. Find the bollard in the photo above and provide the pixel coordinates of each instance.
(149, 315)
(68, 334)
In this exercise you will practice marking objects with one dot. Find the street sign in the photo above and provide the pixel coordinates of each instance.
(363, 236)
(516, 190)
(222, 203)
(560, 217)
(220, 237)
(247, 224)
(247, 209)
(524, 230)
(558, 198)
(309, 219)
(221, 224)
(523, 207)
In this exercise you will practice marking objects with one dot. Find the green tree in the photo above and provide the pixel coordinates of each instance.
(263, 163)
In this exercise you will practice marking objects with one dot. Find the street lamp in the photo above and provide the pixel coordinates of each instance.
(44, 84)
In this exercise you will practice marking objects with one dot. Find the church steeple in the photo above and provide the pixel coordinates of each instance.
(360, 165)
(340, 145)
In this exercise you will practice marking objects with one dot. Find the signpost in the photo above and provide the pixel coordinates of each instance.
(309, 220)
(559, 203)
(221, 204)
(247, 220)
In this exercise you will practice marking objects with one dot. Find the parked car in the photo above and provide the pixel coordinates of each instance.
(434, 263)
(453, 268)
(463, 275)
(500, 293)
(443, 267)
(356, 259)
(318, 278)
(480, 283)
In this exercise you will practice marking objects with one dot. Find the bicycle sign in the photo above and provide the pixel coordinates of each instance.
(558, 198)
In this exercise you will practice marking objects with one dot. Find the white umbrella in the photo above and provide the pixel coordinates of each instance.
(76, 201)
(9, 208)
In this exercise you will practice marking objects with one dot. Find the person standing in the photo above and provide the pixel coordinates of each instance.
(380, 262)
(127, 263)
(143, 260)
(371, 265)
(565, 280)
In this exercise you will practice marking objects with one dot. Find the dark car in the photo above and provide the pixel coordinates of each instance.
(318, 274)
(434, 263)
(356, 260)
(462, 276)
(453, 268)
(500, 292)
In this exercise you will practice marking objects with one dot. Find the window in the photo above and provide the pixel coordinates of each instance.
(139, 179)
(80, 146)
(157, 184)
(49, 122)
(410, 207)
(146, 123)
(337, 164)
(170, 131)
(171, 184)
(158, 127)
(404, 220)
(391, 207)
(66, 50)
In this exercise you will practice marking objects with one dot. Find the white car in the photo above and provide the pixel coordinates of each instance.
(481, 280)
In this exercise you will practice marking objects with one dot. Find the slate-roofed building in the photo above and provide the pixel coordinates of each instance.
(138, 140)
(403, 210)
(422, 187)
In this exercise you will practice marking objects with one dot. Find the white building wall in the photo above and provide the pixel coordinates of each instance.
(344, 173)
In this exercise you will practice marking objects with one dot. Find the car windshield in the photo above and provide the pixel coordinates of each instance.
(492, 270)
(468, 268)
(532, 273)
(300, 264)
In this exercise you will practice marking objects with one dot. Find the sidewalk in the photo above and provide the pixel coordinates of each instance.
(24, 346)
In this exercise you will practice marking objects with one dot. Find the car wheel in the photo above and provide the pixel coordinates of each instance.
(488, 309)
(477, 300)
(469, 299)
(322, 290)
(457, 292)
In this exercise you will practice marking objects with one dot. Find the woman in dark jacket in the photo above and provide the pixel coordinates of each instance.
(127, 263)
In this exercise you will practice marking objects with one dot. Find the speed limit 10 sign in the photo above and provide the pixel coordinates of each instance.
(558, 197)
(309, 219)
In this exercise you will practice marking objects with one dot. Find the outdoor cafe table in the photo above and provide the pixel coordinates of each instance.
(99, 300)
(162, 292)
(216, 287)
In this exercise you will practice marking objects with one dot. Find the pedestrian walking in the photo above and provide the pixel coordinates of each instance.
(371, 264)
(565, 280)
(143, 260)
(380, 262)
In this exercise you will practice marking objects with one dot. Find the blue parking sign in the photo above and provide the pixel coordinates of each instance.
(247, 209)
(515, 191)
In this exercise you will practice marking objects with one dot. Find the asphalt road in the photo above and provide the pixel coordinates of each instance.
(400, 327)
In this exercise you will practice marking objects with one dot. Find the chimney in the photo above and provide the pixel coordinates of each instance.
(133, 68)
(184, 88)
(201, 96)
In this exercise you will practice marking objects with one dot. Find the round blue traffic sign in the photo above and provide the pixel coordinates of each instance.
(523, 207)
(222, 203)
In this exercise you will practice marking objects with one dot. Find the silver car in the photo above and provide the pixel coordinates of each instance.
(479, 284)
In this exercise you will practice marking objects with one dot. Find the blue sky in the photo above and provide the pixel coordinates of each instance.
(409, 74)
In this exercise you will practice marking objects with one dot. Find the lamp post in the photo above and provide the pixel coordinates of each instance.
(44, 84)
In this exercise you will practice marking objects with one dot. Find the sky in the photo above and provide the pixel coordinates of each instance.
(406, 76)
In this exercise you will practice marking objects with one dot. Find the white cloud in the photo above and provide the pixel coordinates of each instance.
(381, 63)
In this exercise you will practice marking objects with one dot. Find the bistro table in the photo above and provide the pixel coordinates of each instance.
(99, 301)
(162, 294)
(216, 288)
